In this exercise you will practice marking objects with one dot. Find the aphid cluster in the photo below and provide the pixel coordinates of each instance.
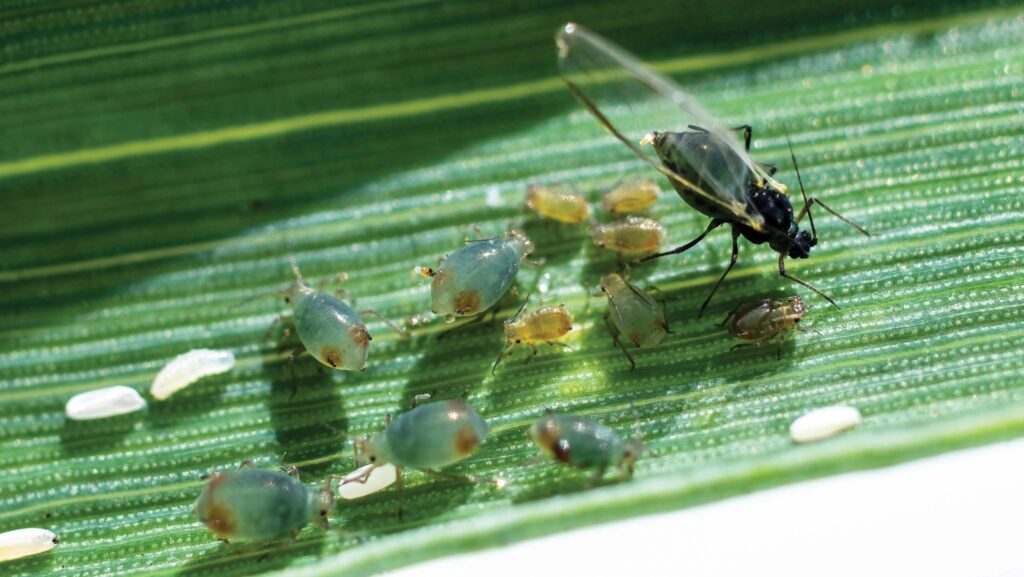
(709, 170)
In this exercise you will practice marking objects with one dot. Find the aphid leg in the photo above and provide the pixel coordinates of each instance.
(732, 263)
(291, 369)
(661, 300)
(784, 274)
(728, 316)
(502, 355)
(700, 129)
(451, 477)
(420, 398)
(815, 200)
(246, 464)
(404, 333)
(401, 491)
(291, 471)
(533, 348)
(615, 338)
(557, 344)
(279, 319)
(742, 346)
(748, 132)
(475, 320)
(712, 226)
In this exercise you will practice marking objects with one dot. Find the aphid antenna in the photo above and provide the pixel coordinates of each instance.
(402, 332)
(803, 193)
(814, 200)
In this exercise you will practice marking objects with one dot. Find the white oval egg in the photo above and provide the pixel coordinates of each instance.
(24, 542)
(823, 423)
(102, 403)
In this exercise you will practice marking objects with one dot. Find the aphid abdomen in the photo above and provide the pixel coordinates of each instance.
(718, 166)
(473, 278)
(557, 203)
(542, 325)
(435, 435)
(330, 330)
(578, 441)
(634, 313)
(253, 505)
(753, 321)
(633, 236)
(630, 197)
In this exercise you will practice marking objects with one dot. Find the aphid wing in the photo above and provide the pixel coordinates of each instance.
(632, 101)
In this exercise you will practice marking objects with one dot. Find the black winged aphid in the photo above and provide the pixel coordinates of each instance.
(706, 163)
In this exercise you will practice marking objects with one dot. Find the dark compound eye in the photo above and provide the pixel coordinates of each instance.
(518, 341)
(373, 458)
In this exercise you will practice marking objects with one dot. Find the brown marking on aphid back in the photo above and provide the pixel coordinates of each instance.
(360, 335)
(331, 356)
(549, 437)
(561, 451)
(466, 302)
(635, 338)
(466, 440)
(220, 521)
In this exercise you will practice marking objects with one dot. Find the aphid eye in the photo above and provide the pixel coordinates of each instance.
(796, 320)
(518, 341)
(373, 458)
(287, 300)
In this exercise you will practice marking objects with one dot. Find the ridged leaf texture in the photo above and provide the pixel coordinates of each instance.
(160, 163)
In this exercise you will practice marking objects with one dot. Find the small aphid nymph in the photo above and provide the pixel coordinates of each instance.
(25, 542)
(103, 403)
(633, 236)
(472, 279)
(585, 443)
(188, 368)
(256, 505)
(630, 197)
(557, 203)
(765, 320)
(544, 325)
(330, 330)
(824, 423)
(633, 313)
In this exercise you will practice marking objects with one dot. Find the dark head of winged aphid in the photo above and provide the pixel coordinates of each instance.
(705, 163)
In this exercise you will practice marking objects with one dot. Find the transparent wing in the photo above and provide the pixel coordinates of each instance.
(632, 102)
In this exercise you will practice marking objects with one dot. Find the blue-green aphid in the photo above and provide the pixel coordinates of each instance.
(584, 443)
(633, 313)
(256, 505)
(472, 279)
(330, 330)
(428, 437)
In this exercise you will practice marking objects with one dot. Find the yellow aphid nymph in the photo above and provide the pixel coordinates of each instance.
(557, 203)
(633, 236)
(543, 325)
(630, 197)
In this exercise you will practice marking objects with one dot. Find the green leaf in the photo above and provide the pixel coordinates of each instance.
(160, 162)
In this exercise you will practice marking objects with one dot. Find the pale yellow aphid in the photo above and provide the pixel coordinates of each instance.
(633, 236)
(544, 325)
(630, 197)
(557, 203)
